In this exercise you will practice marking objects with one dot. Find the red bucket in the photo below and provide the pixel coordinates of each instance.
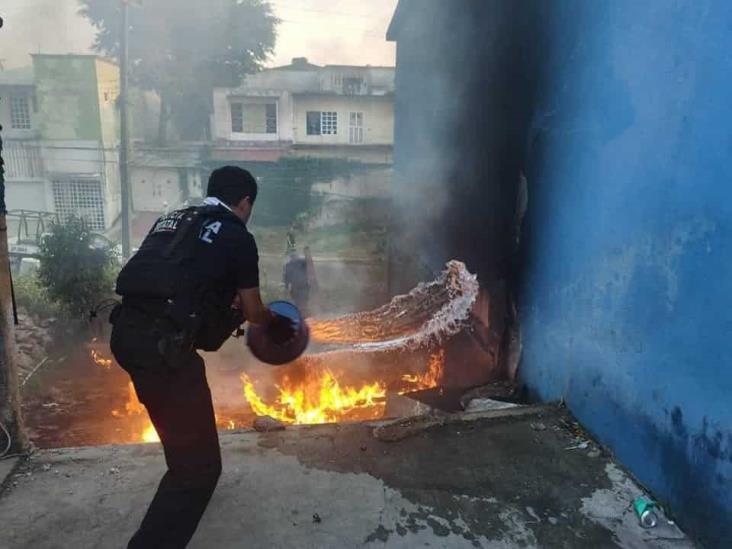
(262, 346)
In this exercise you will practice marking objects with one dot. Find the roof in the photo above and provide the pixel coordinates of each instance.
(302, 64)
(17, 77)
(298, 64)
(375, 81)
(76, 55)
(397, 21)
(385, 67)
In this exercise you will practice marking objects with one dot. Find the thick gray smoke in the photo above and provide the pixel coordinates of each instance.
(41, 26)
(466, 88)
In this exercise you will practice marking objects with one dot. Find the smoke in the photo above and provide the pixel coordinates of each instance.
(467, 82)
(330, 32)
(42, 26)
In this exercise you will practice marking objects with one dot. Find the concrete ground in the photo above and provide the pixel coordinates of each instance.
(499, 481)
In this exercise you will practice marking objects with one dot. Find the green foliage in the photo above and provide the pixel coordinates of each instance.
(184, 48)
(286, 186)
(347, 240)
(32, 296)
(77, 270)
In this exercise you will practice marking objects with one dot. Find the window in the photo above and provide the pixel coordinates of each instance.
(352, 85)
(270, 118)
(237, 118)
(322, 123)
(355, 128)
(81, 198)
(254, 118)
(313, 122)
(20, 112)
(329, 123)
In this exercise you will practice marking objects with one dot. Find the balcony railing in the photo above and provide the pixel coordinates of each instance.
(23, 160)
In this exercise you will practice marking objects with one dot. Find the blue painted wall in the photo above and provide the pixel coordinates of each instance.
(626, 301)
(619, 113)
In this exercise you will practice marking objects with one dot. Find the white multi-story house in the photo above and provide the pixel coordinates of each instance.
(332, 111)
(60, 128)
(25, 177)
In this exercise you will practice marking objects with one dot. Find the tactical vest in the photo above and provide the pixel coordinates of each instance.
(169, 285)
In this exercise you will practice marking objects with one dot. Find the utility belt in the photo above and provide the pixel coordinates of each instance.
(170, 341)
(148, 306)
(206, 330)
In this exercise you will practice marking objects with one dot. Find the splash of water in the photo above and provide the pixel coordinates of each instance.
(393, 349)
(427, 315)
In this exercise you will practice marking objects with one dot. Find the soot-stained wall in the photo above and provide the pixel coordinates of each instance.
(465, 86)
(619, 115)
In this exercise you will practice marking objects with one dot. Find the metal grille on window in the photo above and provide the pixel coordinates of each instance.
(237, 118)
(355, 129)
(80, 198)
(329, 123)
(20, 112)
(271, 118)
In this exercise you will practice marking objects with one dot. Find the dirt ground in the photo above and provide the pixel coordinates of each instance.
(72, 401)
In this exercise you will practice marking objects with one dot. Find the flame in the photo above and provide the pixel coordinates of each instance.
(150, 434)
(134, 407)
(319, 399)
(431, 378)
(100, 360)
(322, 398)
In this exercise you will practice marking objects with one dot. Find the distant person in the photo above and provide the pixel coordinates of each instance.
(295, 278)
(290, 247)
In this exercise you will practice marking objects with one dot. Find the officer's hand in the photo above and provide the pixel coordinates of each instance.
(281, 329)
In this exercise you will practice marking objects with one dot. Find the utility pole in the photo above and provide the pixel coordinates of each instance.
(12, 435)
(124, 137)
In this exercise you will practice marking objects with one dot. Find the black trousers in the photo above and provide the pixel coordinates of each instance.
(178, 400)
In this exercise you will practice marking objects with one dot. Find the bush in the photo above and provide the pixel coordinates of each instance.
(77, 270)
(32, 297)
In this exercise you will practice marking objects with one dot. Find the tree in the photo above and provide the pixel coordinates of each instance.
(182, 49)
(76, 267)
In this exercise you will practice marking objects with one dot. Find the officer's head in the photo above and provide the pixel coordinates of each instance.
(236, 188)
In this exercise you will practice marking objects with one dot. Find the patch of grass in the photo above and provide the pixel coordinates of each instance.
(347, 240)
(343, 240)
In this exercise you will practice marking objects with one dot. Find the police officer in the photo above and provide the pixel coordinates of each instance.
(194, 280)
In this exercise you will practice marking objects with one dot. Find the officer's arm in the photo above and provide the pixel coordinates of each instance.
(251, 305)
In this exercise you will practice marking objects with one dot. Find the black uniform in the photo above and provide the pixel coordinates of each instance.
(177, 294)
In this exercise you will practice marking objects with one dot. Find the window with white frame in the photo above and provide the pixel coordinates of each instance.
(355, 128)
(322, 122)
(329, 123)
(254, 118)
(81, 198)
(237, 117)
(20, 112)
